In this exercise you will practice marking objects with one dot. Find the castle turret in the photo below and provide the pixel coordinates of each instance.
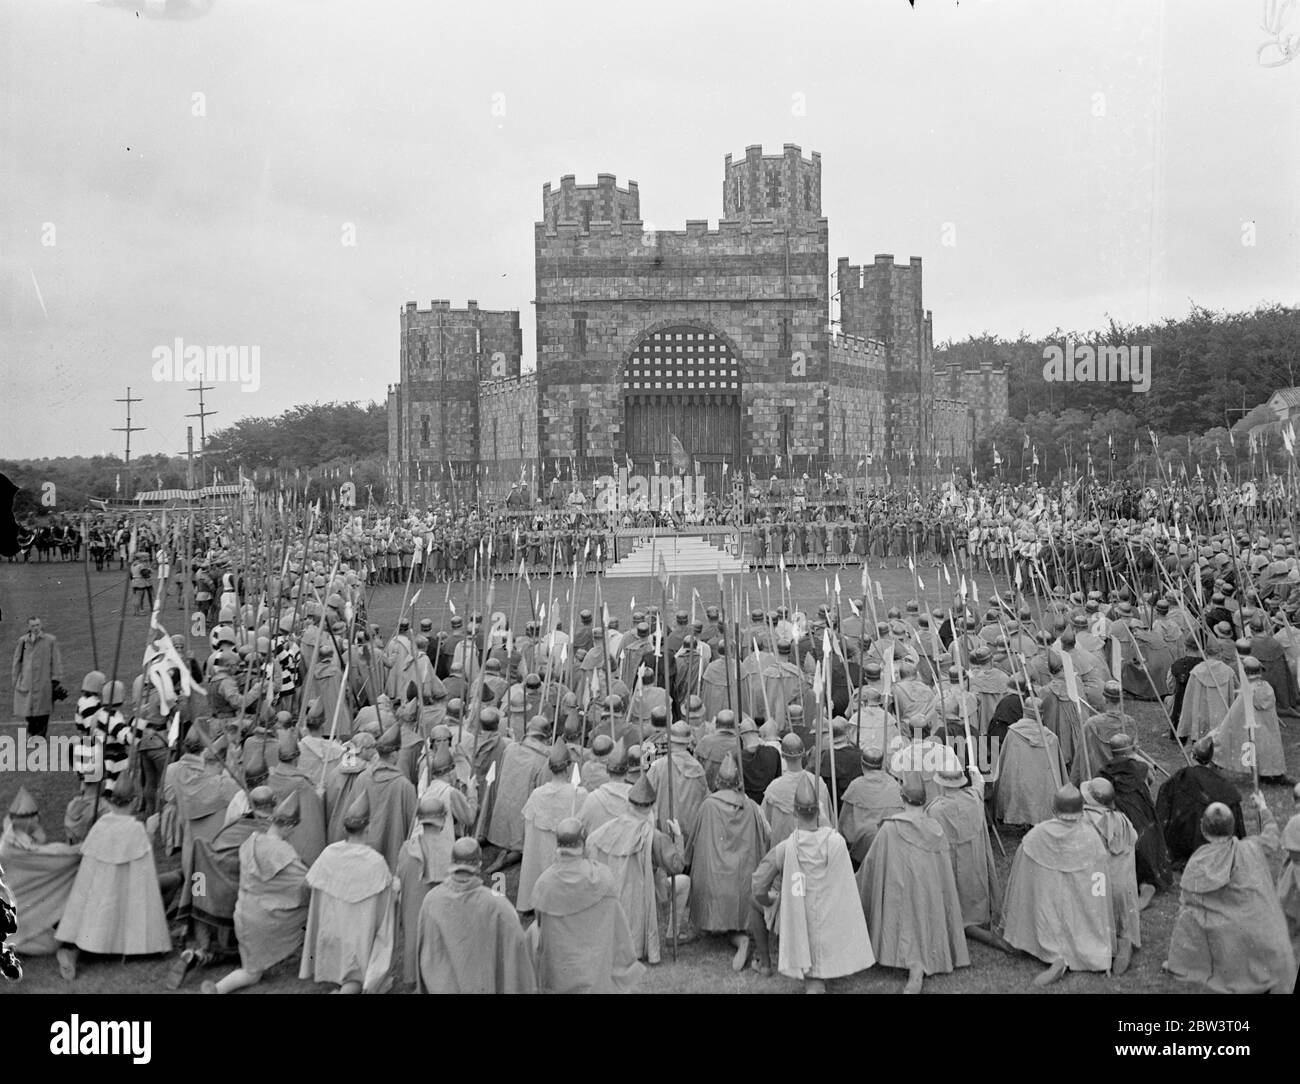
(434, 411)
(584, 204)
(785, 187)
(883, 301)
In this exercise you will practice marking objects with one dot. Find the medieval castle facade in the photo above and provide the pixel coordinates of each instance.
(715, 342)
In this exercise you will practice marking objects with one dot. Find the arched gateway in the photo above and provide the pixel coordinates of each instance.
(683, 381)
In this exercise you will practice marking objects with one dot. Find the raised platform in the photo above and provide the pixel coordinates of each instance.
(684, 555)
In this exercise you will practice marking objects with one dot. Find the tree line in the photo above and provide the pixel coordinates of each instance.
(329, 442)
(1210, 374)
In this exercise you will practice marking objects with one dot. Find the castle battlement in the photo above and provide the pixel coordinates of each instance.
(857, 350)
(583, 204)
(788, 150)
(696, 231)
(854, 276)
(605, 182)
(954, 367)
(510, 385)
(471, 307)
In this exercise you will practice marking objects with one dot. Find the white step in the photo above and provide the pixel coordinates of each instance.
(684, 555)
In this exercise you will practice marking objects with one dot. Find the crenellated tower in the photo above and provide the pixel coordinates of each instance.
(584, 204)
(785, 188)
(883, 301)
(433, 413)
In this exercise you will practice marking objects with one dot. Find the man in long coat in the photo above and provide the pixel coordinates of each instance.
(1231, 934)
(1211, 689)
(1276, 668)
(391, 798)
(959, 810)
(647, 864)
(1234, 732)
(37, 670)
(804, 888)
(553, 800)
(581, 940)
(271, 909)
(1052, 910)
(115, 907)
(1120, 837)
(469, 939)
(909, 893)
(285, 777)
(352, 920)
(688, 786)
(1030, 771)
(867, 801)
(731, 839)
(1128, 773)
(39, 875)
(1187, 794)
(519, 770)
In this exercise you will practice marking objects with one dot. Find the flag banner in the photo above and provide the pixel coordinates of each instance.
(681, 461)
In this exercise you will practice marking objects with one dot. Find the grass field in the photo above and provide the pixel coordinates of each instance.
(56, 592)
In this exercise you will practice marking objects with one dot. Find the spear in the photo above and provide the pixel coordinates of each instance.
(315, 649)
(828, 655)
(559, 700)
(409, 578)
(726, 673)
(1072, 690)
(573, 605)
(302, 571)
(549, 615)
(334, 722)
(514, 600)
(672, 881)
(1250, 750)
(964, 702)
(603, 611)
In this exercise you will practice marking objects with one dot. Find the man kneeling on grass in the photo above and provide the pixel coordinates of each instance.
(1058, 905)
(804, 890)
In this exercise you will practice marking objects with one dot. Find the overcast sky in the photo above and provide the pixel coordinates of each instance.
(1089, 159)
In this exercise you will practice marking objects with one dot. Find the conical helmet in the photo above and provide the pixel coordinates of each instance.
(805, 796)
(358, 815)
(288, 812)
(643, 793)
(23, 805)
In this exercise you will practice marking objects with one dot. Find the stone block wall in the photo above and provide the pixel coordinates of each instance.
(600, 289)
(983, 388)
(857, 404)
(884, 301)
(507, 431)
(954, 429)
(444, 353)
